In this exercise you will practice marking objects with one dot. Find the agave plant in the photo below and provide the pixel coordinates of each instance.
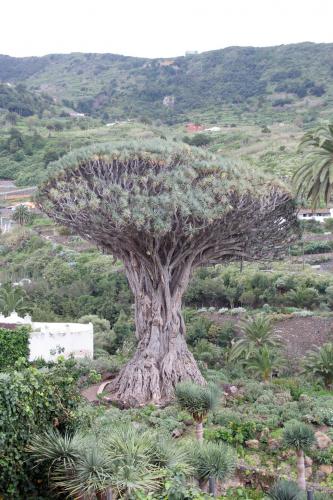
(285, 490)
(319, 362)
(257, 333)
(314, 179)
(299, 437)
(213, 461)
(198, 400)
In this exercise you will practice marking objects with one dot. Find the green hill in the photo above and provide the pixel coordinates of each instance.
(261, 99)
(246, 81)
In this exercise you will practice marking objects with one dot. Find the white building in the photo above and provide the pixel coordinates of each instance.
(49, 340)
(318, 214)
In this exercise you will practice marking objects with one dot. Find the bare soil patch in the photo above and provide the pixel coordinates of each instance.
(299, 334)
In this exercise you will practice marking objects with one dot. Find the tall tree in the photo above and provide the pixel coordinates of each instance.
(165, 209)
(314, 179)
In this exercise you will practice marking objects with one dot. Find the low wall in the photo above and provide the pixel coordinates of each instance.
(50, 340)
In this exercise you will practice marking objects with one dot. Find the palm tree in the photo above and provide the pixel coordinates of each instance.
(213, 461)
(198, 400)
(300, 437)
(12, 299)
(264, 361)
(314, 179)
(257, 333)
(22, 215)
(319, 362)
(285, 490)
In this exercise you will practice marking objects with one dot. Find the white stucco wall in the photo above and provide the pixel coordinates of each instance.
(49, 340)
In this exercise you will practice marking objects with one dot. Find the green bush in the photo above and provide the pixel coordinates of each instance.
(31, 401)
(313, 226)
(328, 224)
(14, 344)
(307, 297)
(234, 433)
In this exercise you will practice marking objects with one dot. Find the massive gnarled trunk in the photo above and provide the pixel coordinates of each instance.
(162, 358)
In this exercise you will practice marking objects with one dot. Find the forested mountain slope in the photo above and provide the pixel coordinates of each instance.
(257, 80)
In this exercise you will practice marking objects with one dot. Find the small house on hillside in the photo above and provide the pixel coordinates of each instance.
(318, 214)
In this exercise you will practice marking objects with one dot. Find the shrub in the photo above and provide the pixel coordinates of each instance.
(226, 416)
(210, 354)
(313, 226)
(14, 344)
(306, 297)
(198, 140)
(285, 490)
(319, 363)
(234, 432)
(30, 401)
(328, 224)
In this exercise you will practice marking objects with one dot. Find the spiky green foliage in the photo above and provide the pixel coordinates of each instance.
(319, 363)
(22, 215)
(298, 436)
(53, 449)
(132, 454)
(257, 333)
(215, 460)
(285, 490)
(264, 361)
(126, 460)
(198, 400)
(12, 299)
(92, 474)
(122, 196)
(172, 456)
(314, 179)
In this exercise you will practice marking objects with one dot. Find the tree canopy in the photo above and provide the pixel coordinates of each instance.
(156, 197)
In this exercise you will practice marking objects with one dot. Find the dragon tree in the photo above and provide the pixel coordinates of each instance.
(165, 209)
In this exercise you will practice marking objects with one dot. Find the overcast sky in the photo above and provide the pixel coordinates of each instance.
(158, 28)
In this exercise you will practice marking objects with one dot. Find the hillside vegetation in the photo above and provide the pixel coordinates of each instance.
(262, 100)
(263, 81)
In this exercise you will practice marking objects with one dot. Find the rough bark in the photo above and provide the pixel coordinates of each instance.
(199, 431)
(162, 358)
(212, 486)
(301, 470)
